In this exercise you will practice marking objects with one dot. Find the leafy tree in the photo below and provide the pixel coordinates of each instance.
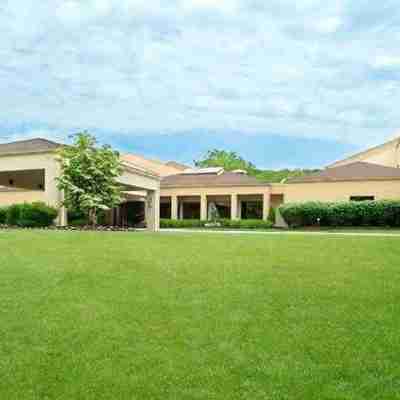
(88, 176)
(230, 161)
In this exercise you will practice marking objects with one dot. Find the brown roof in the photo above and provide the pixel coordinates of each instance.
(357, 171)
(201, 180)
(37, 145)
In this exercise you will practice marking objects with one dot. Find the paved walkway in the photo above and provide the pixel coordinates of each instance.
(283, 232)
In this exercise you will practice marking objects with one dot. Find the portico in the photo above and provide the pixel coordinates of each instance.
(247, 199)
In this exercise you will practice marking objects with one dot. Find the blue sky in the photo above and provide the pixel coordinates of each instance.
(286, 83)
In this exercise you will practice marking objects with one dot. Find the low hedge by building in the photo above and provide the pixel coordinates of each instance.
(222, 223)
(32, 215)
(363, 213)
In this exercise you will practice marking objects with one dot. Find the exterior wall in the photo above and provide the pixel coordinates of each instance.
(21, 196)
(216, 191)
(388, 155)
(44, 161)
(341, 191)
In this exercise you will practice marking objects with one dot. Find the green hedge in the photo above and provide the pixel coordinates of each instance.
(3, 215)
(79, 218)
(33, 215)
(223, 223)
(363, 213)
(181, 223)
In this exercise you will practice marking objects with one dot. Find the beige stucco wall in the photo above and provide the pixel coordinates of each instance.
(9, 198)
(216, 191)
(45, 161)
(341, 191)
(388, 155)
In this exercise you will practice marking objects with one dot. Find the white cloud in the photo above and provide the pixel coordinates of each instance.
(328, 25)
(386, 61)
(131, 66)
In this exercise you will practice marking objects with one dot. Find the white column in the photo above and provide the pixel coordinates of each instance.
(174, 207)
(266, 205)
(153, 210)
(180, 208)
(239, 210)
(62, 212)
(234, 206)
(203, 207)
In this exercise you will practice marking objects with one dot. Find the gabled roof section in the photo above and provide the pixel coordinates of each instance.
(177, 165)
(210, 180)
(155, 166)
(37, 145)
(203, 171)
(364, 155)
(357, 171)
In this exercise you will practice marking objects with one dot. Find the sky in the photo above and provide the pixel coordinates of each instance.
(285, 83)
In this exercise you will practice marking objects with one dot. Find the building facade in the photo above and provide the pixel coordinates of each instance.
(29, 169)
(154, 189)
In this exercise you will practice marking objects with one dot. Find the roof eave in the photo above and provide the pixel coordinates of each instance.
(393, 178)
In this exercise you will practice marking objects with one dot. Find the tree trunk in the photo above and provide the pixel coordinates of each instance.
(93, 218)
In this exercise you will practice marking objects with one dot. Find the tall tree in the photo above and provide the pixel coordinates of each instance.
(88, 176)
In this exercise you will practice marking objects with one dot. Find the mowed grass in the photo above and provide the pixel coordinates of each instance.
(198, 316)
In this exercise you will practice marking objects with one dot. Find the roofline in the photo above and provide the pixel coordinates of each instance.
(197, 186)
(361, 153)
(31, 152)
(139, 171)
(394, 178)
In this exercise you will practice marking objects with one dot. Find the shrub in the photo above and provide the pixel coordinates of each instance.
(13, 214)
(246, 224)
(182, 223)
(31, 215)
(222, 223)
(365, 213)
(3, 215)
(79, 218)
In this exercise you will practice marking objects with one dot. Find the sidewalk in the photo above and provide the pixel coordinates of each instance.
(283, 232)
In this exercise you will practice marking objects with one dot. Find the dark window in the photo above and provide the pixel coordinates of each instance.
(165, 210)
(362, 198)
(11, 182)
(252, 209)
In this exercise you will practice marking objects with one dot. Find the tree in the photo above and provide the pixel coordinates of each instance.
(88, 176)
(229, 160)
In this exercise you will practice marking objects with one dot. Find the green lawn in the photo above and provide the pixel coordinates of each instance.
(198, 316)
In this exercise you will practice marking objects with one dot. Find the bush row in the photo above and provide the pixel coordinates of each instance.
(363, 213)
(222, 223)
(28, 215)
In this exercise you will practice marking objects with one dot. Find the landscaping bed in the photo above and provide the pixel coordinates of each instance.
(218, 224)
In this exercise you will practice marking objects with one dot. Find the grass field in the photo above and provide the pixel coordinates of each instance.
(186, 316)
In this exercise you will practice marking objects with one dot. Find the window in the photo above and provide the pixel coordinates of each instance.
(362, 198)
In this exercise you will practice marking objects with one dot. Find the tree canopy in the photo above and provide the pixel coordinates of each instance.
(230, 160)
(88, 176)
